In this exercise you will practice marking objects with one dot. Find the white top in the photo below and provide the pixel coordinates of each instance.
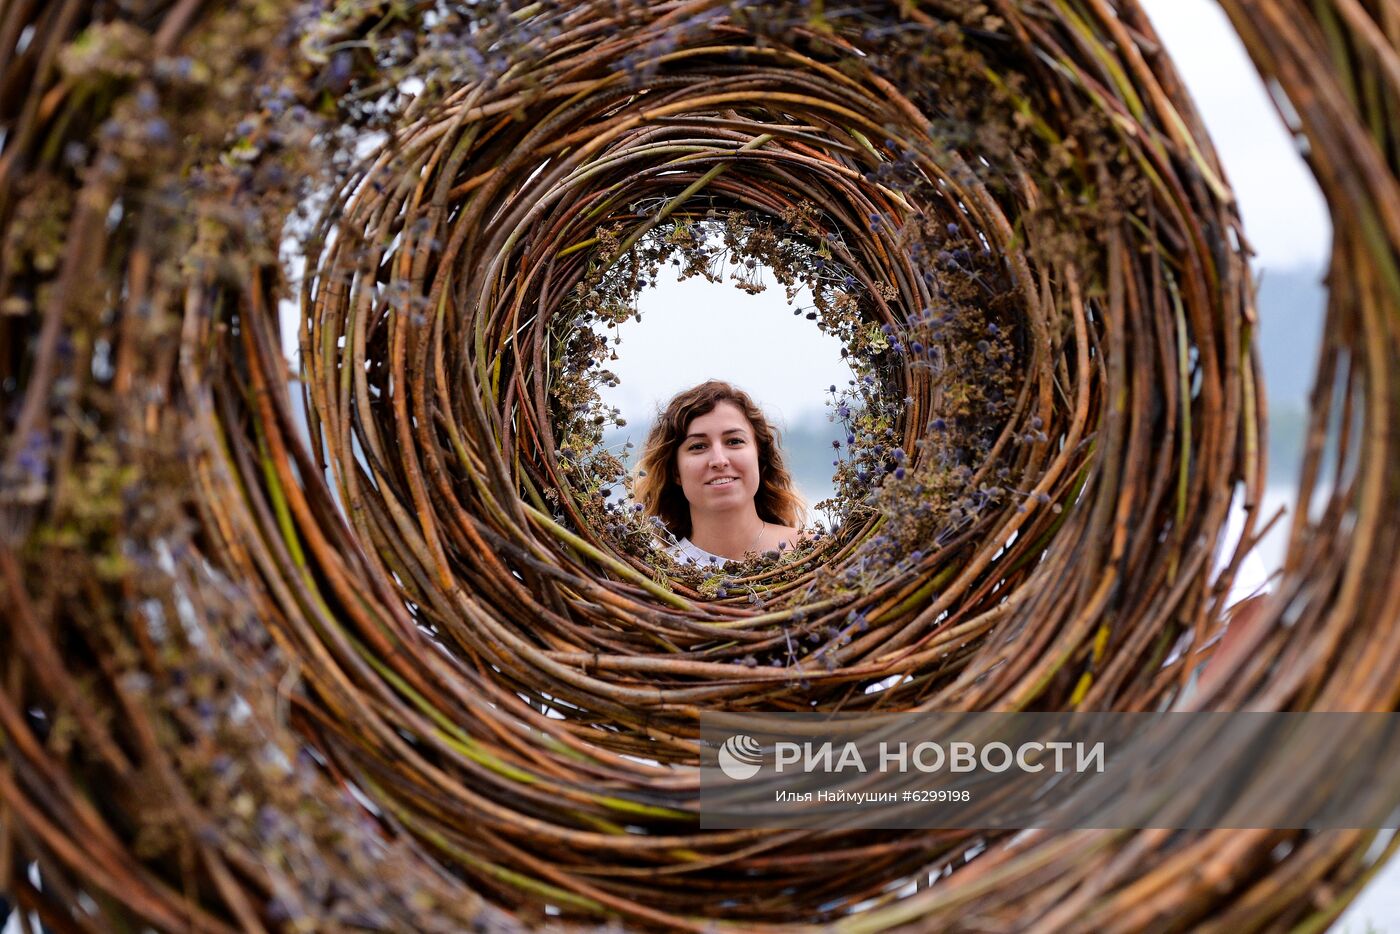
(687, 552)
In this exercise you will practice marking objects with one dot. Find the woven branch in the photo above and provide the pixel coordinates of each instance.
(357, 646)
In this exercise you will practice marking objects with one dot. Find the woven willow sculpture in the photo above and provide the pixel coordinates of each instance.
(350, 647)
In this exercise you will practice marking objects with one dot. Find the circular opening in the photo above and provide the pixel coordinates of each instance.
(951, 352)
(691, 330)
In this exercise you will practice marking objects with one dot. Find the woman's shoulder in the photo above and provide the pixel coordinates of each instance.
(687, 552)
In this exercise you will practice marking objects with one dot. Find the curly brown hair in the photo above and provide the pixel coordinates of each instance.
(658, 485)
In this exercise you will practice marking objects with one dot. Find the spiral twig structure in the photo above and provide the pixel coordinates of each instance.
(343, 647)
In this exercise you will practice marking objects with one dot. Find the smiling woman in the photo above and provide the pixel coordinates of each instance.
(713, 473)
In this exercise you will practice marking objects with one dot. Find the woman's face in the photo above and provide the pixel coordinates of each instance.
(718, 460)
